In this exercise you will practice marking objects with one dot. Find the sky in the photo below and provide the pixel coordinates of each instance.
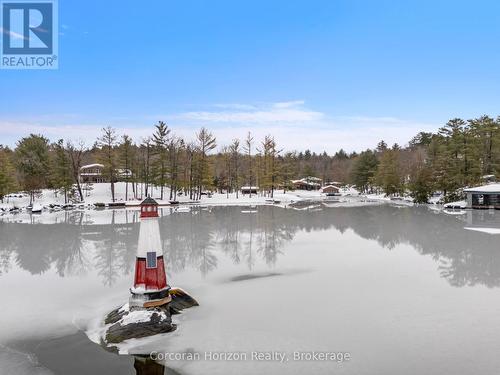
(318, 75)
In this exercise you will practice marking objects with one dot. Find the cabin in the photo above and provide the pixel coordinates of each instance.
(483, 197)
(92, 173)
(330, 189)
(307, 183)
(249, 189)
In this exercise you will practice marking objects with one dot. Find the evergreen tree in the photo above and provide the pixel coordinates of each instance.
(206, 143)
(160, 166)
(8, 181)
(388, 172)
(363, 171)
(33, 163)
(61, 170)
(420, 184)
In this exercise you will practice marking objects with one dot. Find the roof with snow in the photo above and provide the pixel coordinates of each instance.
(490, 188)
(95, 165)
(149, 201)
(330, 186)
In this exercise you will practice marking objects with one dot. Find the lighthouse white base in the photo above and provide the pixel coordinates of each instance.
(149, 298)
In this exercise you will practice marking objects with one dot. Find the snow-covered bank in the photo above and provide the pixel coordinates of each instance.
(100, 193)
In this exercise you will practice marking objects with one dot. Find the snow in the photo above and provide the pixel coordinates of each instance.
(95, 165)
(101, 193)
(140, 316)
(458, 204)
(490, 188)
(485, 230)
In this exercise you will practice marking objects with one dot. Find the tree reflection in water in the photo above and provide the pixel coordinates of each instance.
(75, 243)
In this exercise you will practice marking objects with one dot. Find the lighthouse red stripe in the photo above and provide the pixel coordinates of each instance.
(150, 278)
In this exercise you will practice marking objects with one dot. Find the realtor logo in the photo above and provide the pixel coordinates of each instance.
(29, 34)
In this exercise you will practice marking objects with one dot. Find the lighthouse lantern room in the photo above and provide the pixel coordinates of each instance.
(150, 287)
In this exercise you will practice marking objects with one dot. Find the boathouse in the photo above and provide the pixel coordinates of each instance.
(330, 189)
(483, 197)
(249, 189)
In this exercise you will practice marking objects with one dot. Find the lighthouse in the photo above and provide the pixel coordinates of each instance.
(150, 287)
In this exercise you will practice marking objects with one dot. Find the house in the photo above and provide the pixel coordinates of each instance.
(483, 197)
(330, 189)
(307, 183)
(92, 173)
(489, 178)
(249, 189)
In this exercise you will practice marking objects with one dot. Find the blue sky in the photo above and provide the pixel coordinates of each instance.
(315, 74)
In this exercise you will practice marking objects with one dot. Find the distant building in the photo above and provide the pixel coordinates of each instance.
(92, 173)
(249, 189)
(483, 197)
(330, 189)
(489, 178)
(307, 183)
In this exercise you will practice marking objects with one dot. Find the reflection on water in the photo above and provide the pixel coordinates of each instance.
(210, 240)
(76, 242)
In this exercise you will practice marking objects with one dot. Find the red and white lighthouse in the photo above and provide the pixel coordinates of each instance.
(150, 287)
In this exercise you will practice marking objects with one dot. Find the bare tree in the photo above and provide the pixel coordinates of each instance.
(247, 148)
(126, 160)
(76, 154)
(234, 150)
(107, 143)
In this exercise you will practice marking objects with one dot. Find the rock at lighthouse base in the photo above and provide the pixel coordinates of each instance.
(124, 323)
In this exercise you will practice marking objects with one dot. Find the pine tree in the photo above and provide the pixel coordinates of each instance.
(363, 171)
(160, 166)
(8, 181)
(388, 172)
(420, 184)
(33, 163)
(206, 143)
(61, 170)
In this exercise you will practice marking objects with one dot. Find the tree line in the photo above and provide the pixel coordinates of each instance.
(458, 155)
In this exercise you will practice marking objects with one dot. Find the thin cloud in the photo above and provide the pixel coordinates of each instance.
(282, 112)
(294, 126)
(13, 34)
(293, 103)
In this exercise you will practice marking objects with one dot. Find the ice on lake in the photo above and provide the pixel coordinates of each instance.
(401, 289)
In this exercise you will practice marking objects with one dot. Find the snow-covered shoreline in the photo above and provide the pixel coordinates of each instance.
(49, 203)
(100, 195)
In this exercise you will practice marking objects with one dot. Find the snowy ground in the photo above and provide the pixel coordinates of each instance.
(101, 193)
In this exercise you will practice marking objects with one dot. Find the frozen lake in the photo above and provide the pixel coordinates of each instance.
(401, 290)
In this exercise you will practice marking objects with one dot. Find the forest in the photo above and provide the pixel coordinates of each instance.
(460, 154)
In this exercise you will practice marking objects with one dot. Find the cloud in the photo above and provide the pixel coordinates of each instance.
(294, 126)
(283, 112)
(13, 34)
(293, 103)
